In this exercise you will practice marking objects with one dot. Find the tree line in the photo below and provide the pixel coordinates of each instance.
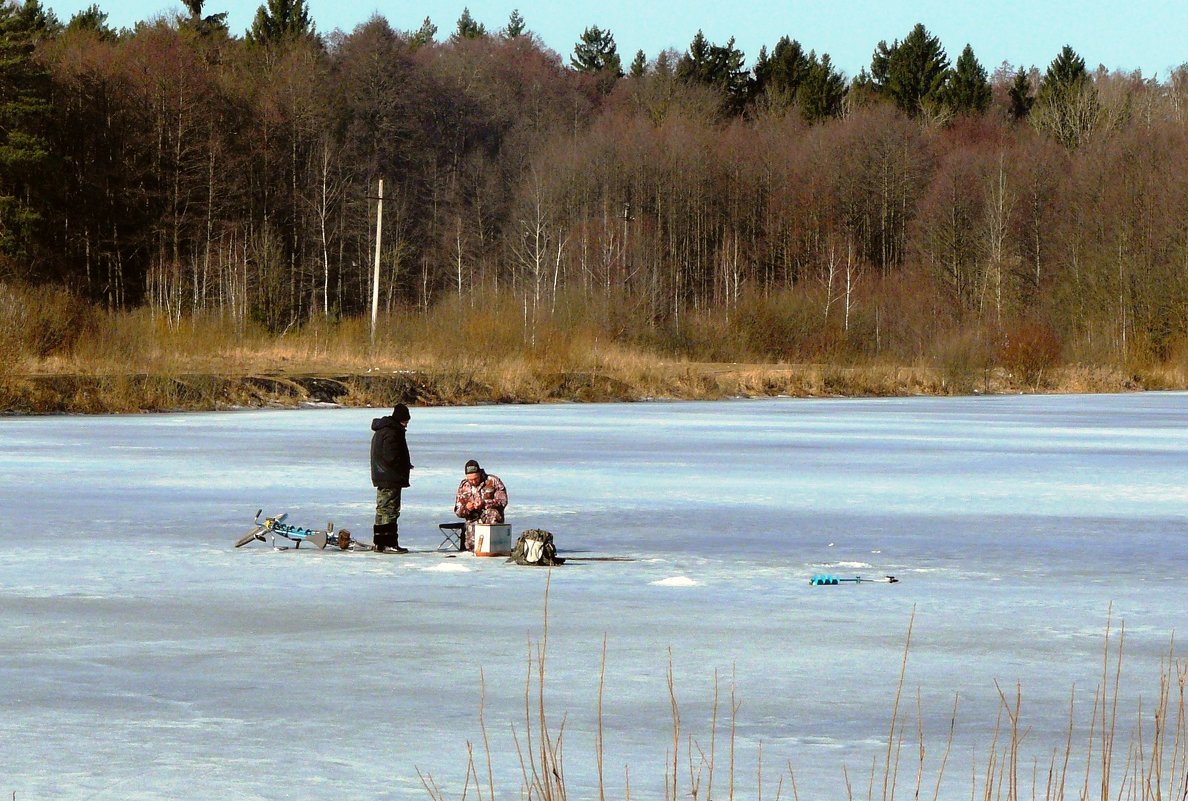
(183, 167)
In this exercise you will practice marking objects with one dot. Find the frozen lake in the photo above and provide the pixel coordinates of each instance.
(143, 657)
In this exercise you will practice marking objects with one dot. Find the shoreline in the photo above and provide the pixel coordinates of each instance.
(132, 393)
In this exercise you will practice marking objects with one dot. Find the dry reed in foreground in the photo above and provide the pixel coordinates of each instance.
(1154, 764)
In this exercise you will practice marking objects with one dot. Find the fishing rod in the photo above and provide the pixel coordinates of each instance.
(826, 580)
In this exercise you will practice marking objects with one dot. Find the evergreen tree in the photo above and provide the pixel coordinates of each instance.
(279, 21)
(720, 66)
(1020, 95)
(596, 52)
(468, 28)
(423, 35)
(664, 66)
(25, 93)
(205, 26)
(40, 22)
(863, 89)
(1066, 105)
(695, 64)
(1066, 75)
(92, 19)
(822, 91)
(731, 73)
(789, 76)
(864, 82)
(911, 73)
(787, 68)
(967, 91)
(515, 25)
(639, 65)
(761, 72)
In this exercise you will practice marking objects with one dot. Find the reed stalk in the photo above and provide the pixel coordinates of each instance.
(1153, 767)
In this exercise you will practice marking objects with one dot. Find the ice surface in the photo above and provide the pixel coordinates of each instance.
(144, 657)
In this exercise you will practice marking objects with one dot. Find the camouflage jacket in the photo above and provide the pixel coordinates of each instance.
(483, 502)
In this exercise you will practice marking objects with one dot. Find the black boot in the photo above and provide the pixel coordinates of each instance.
(387, 538)
(394, 538)
(379, 537)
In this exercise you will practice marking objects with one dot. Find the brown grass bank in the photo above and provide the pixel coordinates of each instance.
(516, 382)
(56, 356)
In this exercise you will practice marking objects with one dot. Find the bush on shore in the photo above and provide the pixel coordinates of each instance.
(61, 354)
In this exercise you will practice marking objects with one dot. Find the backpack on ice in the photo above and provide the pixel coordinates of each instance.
(535, 547)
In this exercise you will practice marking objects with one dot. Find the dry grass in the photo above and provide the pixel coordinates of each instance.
(58, 355)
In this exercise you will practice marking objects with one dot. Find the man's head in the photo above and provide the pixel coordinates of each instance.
(474, 473)
(401, 414)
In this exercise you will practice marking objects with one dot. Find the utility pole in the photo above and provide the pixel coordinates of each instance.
(379, 225)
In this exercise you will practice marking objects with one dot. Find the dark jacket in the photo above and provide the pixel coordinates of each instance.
(390, 462)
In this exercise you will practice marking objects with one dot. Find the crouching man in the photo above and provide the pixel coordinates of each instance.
(481, 498)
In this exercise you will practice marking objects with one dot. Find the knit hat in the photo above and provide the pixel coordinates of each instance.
(400, 413)
(472, 467)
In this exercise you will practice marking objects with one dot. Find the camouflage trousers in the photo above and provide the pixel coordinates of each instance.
(387, 505)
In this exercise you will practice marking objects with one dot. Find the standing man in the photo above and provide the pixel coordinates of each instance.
(390, 466)
(481, 498)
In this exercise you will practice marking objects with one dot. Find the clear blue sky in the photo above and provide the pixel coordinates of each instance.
(1151, 35)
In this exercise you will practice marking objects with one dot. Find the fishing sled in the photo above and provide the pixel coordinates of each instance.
(273, 529)
(826, 580)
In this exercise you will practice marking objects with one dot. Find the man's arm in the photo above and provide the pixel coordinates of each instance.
(395, 445)
(498, 499)
(460, 499)
(402, 456)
